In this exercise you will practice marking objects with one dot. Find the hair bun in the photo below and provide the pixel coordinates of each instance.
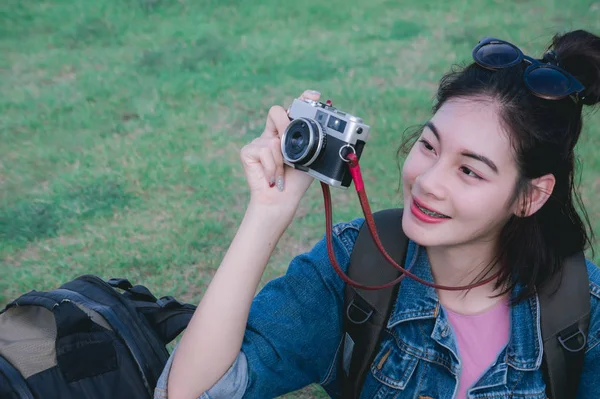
(579, 53)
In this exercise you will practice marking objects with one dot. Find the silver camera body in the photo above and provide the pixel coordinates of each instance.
(319, 139)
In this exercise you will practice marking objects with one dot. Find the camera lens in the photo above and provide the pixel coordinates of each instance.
(302, 141)
(298, 142)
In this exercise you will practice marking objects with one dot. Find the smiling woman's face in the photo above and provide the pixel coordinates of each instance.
(459, 177)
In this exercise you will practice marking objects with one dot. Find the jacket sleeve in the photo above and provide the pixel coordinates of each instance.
(232, 385)
(294, 329)
(589, 384)
(295, 325)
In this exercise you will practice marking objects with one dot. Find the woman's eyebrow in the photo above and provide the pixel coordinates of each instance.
(483, 159)
(477, 157)
(432, 127)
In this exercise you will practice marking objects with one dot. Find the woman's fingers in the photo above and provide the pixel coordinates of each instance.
(267, 148)
(277, 121)
(277, 118)
(271, 160)
(275, 147)
(267, 153)
(310, 95)
(268, 164)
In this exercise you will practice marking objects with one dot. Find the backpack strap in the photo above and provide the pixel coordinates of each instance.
(167, 316)
(565, 317)
(15, 379)
(69, 318)
(366, 311)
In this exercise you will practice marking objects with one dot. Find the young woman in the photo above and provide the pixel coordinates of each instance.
(488, 189)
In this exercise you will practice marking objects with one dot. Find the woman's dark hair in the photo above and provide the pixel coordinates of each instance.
(543, 134)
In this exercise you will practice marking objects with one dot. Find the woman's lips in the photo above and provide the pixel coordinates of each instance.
(422, 216)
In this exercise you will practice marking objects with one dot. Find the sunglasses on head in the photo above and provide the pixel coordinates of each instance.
(544, 78)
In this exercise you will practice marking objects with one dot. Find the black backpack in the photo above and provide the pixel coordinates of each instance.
(564, 303)
(87, 340)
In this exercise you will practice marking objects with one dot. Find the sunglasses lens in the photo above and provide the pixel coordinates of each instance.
(497, 55)
(549, 82)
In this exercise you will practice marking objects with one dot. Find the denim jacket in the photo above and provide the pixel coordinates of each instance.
(294, 334)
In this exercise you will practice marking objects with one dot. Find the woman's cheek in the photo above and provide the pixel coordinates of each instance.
(410, 168)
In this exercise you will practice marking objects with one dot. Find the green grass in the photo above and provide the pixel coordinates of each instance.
(121, 121)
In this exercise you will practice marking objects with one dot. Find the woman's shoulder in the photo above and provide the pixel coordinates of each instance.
(594, 277)
(594, 281)
(350, 226)
(347, 232)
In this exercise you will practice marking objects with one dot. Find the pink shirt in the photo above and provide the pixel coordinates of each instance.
(480, 339)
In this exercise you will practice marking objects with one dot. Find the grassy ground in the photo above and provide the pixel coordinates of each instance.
(121, 121)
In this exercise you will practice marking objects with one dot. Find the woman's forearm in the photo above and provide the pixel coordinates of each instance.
(214, 336)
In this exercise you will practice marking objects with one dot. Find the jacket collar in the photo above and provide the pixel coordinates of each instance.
(416, 301)
(525, 346)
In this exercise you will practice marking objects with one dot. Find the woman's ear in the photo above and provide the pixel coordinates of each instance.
(536, 197)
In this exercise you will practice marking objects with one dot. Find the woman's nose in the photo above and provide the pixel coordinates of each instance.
(433, 182)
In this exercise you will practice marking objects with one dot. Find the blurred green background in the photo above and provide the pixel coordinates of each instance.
(121, 121)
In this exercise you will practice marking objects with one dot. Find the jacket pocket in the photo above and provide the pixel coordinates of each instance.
(394, 367)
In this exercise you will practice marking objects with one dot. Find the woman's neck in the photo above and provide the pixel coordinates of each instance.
(461, 265)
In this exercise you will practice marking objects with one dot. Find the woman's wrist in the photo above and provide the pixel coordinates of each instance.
(277, 217)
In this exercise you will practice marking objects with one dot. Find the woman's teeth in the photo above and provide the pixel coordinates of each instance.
(431, 213)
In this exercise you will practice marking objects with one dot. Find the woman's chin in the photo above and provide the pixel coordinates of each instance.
(421, 233)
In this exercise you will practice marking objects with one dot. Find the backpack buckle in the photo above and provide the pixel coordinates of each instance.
(575, 339)
(356, 313)
(169, 302)
(121, 283)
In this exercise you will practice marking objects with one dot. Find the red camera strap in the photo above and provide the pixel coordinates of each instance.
(364, 202)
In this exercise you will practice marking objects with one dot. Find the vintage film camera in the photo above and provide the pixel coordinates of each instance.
(319, 138)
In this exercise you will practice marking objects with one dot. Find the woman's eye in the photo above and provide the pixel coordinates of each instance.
(427, 146)
(469, 172)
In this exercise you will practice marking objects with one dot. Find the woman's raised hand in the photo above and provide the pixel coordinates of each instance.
(271, 182)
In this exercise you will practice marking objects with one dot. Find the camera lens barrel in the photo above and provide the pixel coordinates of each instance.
(302, 141)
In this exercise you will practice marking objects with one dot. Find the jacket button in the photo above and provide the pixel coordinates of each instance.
(445, 331)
